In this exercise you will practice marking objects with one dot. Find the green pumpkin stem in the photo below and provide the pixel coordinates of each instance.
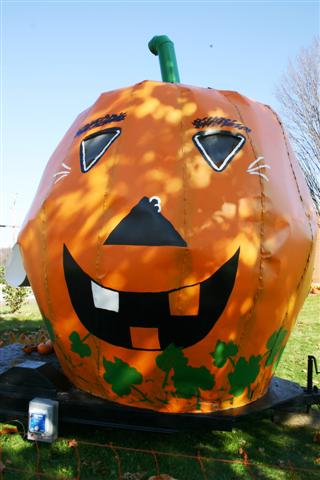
(164, 47)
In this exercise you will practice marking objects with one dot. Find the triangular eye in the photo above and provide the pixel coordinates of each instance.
(218, 148)
(93, 147)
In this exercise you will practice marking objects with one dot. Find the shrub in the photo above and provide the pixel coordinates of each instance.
(14, 298)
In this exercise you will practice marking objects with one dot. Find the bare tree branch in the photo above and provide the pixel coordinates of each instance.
(298, 95)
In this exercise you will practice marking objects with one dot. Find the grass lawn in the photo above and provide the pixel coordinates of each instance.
(304, 341)
(276, 452)
(27, 321)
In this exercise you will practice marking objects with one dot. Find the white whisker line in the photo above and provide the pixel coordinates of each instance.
(60, 173)
(258, 168)
(261, 175)
(57, 179)
(256, 161)
(66, 166)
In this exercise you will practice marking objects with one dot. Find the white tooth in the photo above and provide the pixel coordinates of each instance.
(105, 298)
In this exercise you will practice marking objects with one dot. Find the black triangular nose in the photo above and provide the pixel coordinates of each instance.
(144, 225)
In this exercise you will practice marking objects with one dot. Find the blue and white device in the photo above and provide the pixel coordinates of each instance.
(43, 420)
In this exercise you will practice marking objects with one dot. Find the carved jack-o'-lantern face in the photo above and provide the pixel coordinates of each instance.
(169, 246)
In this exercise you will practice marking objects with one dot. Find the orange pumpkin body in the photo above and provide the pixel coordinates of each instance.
(45, 348)
(135, 220)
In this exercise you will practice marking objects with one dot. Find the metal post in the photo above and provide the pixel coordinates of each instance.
(310, 374)
(311, 361)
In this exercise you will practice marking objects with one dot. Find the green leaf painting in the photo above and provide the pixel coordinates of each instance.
(222, 352)
(244, 374)
(275, 347)
(172, 357)
(276, 363)
(187, 380)
(78, 346)
(122, 377)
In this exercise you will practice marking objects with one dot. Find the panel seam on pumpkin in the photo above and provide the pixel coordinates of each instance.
(261, 235)
(300, 195)
(285, 320)
(306, 214)
(99, 385)
(107, 189)
(44, 245)
(184, 196)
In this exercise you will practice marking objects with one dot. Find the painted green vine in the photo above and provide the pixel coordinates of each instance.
(79, 346)
(244, 374)
(182, 380)
(123, 378)
(187, 380)
(223, 352)
(275, 347)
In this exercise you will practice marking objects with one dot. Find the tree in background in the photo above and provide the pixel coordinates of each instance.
(14, 298)
(298, 95)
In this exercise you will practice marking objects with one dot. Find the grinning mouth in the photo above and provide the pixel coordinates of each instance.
(113, 316)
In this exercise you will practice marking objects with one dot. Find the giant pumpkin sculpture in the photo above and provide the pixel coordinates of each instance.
(170, 247)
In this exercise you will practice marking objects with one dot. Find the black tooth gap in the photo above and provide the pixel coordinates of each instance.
(150, 310)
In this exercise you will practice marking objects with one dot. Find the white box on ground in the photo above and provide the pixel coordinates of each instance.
(43, 420)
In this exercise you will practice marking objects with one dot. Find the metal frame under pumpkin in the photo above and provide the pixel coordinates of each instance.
(36, 378)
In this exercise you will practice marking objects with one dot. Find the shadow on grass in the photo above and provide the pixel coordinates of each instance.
(275, 450)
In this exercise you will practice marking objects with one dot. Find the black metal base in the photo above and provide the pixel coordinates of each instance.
(20, 384)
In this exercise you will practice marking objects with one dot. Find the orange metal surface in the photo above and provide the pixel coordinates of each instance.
(259, 204)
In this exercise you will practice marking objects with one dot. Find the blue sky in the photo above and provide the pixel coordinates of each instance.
(58, 56)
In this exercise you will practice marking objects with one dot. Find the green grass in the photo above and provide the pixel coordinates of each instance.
(303, 341)
(269, 445)
(27, 320)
